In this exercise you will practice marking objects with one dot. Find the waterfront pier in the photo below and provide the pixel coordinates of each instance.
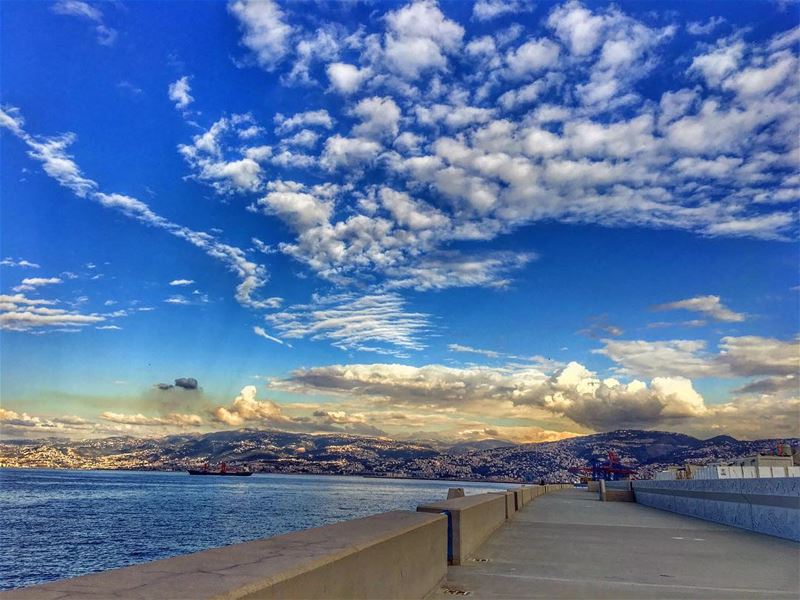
(552, 541)
(570, 545)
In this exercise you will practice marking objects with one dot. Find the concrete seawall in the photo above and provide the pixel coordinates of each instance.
(471, 520)
(770, 506)
(398, 554)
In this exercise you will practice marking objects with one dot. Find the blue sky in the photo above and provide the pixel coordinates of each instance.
(447, 220)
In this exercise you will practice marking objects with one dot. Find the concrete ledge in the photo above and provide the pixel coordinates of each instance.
(518, 503)
(510, 504)
(770, 506)
(616, 491)
(399, 554)
(471, 520)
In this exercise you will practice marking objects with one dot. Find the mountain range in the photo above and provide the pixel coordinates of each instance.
(344, 454)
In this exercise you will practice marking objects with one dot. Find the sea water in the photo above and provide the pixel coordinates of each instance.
(60, 523)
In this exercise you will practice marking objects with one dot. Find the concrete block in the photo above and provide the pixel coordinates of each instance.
(511, 507)
(399, 554)
(471, 520)
(518, 504)
(455, 493)
(593, 486)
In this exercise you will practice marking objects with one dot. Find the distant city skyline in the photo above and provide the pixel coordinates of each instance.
(452, 220)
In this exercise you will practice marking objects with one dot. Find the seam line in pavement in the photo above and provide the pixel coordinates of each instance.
(628, 583)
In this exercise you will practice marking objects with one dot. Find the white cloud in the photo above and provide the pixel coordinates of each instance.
(572, 391)
(305, 138)
(369, 323)
(31, 283)
(577, 27)
(755, 355)
(56, 163)
(19, 262)
(295, 205)
(718, 63)
(418, 39)
(710, 306)
(379, 118)
(346, 78)
(246, 407)
(348, 152)
(179, 92)
(264, 30)
(106, 36)
(683, 358)
(20, 313)
(698, 28)
(173, 419)
(744, 356)
(486, 10)
(471, 350)
(532, 57)
(311, 118)
(181, 282)
(261, 332)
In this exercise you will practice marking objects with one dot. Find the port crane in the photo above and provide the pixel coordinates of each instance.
(610, 470)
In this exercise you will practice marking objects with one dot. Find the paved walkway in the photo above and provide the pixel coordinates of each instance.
(570, 545)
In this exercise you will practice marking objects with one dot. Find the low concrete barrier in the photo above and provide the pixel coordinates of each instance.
(518, 503)
(593, 486)
(527, 494)
(616, 491)
(770, 506)
(399, 554)
(470, 520)
(511, 507)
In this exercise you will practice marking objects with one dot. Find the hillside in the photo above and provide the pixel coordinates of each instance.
(281, 452)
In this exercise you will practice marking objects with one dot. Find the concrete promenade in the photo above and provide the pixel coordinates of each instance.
(570, 545)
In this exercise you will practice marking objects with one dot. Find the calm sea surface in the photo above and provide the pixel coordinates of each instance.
(56, 524)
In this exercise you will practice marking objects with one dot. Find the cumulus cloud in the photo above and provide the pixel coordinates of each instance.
(178, 92)
(19, 262)
(265, 31)
(486, 10)
(572, 391)
(310, 118)
(31, 283)
(379, 118)
(246, 407)
(418, 39)
(346, 78)
(227, 174)
(755, 355)
(742, 356)
(20, 313)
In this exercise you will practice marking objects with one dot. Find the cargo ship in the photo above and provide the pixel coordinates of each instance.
(223, 470)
